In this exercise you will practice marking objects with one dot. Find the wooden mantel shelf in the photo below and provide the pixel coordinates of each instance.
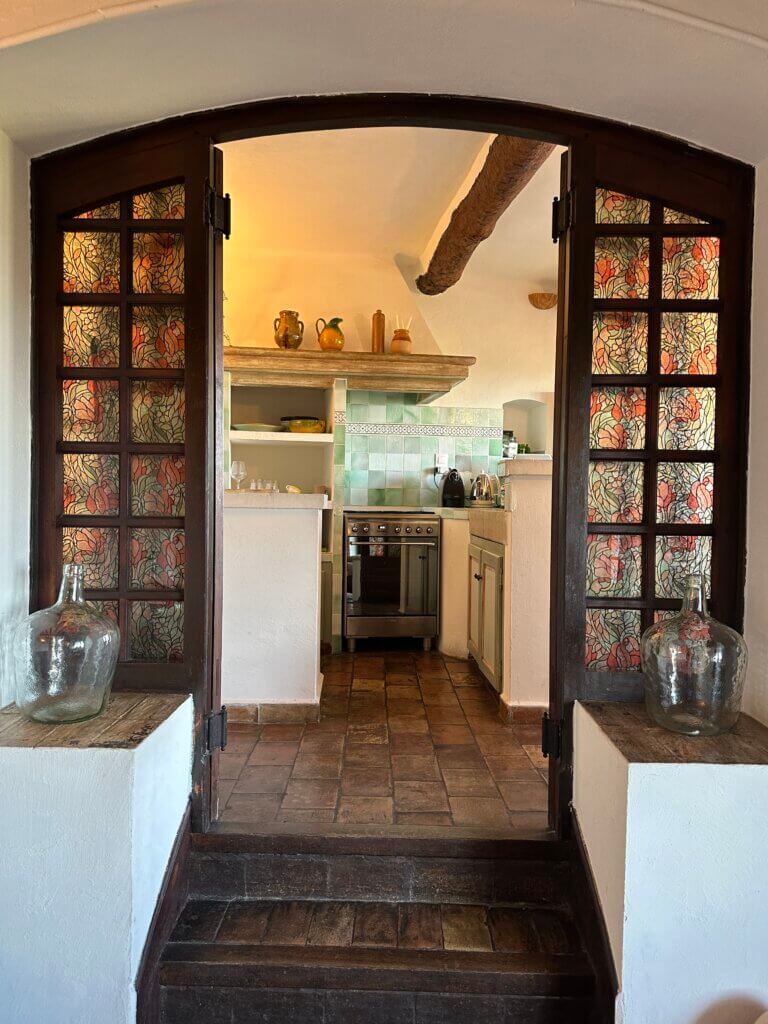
(427, 376)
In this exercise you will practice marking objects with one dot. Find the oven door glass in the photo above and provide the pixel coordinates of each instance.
(391, 577)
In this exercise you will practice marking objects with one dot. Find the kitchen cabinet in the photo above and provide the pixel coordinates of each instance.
(486, 607)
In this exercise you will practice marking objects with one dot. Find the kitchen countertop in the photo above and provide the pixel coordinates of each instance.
(261, 499)
(443, 513)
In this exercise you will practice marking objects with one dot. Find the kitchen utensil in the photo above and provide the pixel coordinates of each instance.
(330, 337)
(485, 490)
(303, 424)
(289, 330)
(453, 490)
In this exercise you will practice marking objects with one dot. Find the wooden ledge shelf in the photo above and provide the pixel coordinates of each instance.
(640, 741)
(284, 438)
(427, 376)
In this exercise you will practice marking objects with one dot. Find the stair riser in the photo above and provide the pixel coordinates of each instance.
(387, 879)
(314, 1006)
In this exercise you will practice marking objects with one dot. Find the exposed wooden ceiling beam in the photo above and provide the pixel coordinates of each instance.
(509, 166)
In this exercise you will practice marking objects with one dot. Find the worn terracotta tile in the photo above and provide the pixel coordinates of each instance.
(511, 769)
(415, 768)
(274, 753)
(451, 735)
(405, 708)
(395, 678)
(534, 753)
(498, 743)
(524, 796)
(281, 733)
(259, 807)
(367, 684)
(445, 716)
(483, 725)
(366, 755)
(365, 810)
(419, 926)
(367, 733)
(322, 744)
(420, 819)
(316, 766)
(303, 793)
(411, 743)
(402, 691)
(478, 810)
(420, 796)
(311, 814)
(225, 790)
(469, 782)
(460, 757)
(537, 820)
(465, 928)
(263, 779)
(230, 765)
(414, 726)
(366, 782)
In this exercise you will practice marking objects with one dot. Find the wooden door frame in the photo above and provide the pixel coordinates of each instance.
(585, 137)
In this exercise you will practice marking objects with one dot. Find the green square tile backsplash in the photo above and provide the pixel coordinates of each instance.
(389, 454)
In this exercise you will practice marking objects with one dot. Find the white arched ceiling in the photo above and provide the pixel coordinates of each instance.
(695, 69)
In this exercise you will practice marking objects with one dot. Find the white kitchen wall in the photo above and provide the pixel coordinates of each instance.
(756, 697)
(15, 421)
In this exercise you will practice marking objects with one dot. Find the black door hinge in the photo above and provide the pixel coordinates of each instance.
(219, 212)
(562, 215)
(551, 736)
(216, 730)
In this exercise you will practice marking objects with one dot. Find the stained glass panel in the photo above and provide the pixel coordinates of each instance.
(685, 491)
(157, 412)
(108, 608)
(91, 261)
(91, 485)
(620, 343)
(157, 559)
(621, 267)
(617, 208)
(613, 640)
(157, 485)
(160, 204)
(90, 410)
(108, 211)
(91, 336)
(690, 268)
(95, 548)
(678, 217)
(689, 342)
(686, 419)
(614, 565)
(617, 418)
(615, 492)
(156, 631)
(158, 262)
(157, 336)
(676, 559)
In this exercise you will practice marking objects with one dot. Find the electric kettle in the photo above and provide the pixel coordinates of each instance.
(485, 490)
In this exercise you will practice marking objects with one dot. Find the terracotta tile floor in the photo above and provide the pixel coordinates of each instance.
(407, 740)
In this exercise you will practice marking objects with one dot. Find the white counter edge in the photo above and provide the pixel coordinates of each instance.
(259, 500)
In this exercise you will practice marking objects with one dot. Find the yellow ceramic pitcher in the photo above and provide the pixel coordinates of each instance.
(330, 337)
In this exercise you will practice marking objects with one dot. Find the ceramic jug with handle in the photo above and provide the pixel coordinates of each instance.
(330, 337)
(289, 330)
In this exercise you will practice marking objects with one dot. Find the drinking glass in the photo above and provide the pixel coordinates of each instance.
(237, 472)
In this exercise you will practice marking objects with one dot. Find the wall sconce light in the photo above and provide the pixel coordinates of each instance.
(543, 300)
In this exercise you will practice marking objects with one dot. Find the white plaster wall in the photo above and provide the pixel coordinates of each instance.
(527, 586)
(271, 606)
(15, 423)
(600, 780)
(454, 587)
(80, 872)
(756, 625)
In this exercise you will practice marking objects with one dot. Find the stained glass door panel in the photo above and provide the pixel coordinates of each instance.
(653, 420)
(122, 388)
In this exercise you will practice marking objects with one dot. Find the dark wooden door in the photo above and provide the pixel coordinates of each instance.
(125, 439)
(652, 414)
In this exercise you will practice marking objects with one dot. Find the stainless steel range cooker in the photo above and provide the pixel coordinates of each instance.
(392, 573)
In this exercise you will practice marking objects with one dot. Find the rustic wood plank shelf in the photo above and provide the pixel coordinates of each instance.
(283, 438)
(428, 376)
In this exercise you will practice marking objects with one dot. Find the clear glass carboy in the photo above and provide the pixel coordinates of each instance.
(64, 657)
(694, 668)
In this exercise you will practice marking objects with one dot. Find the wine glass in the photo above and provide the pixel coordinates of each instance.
(237, 472)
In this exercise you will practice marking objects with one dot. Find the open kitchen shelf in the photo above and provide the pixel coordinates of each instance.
(284, 438)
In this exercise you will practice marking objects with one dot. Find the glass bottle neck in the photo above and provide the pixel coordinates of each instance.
(695, 599)
(71, 590)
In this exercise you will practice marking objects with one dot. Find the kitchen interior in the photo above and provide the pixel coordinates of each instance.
(390, 332)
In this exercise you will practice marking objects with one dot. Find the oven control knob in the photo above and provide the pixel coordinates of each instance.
(418, 529)
(429, 529)
(366, 529)
(354, 528)
(398, 529)
(407, 529)
(382, 528)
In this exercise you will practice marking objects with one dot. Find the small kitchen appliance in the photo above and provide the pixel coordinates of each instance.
(392, 574)
(485, 491)
(453, 490)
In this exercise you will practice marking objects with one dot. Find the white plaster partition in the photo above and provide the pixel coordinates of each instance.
(15, 405)
(678, 853)
(86, 839)
(271, 606)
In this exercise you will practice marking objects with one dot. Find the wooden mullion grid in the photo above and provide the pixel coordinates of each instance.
(126, 272)
(665, 305)
(116, 298)
(660, 230)
(168, 226)
(112, 372)
(133, 522)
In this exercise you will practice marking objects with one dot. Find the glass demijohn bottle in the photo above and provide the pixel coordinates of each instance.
(694, 668)
(64, 657)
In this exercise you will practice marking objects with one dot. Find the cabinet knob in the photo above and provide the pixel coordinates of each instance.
(477, 576)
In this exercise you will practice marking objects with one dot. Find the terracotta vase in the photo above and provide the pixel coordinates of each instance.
(330, 338)
(401, 342)
(289, 330)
